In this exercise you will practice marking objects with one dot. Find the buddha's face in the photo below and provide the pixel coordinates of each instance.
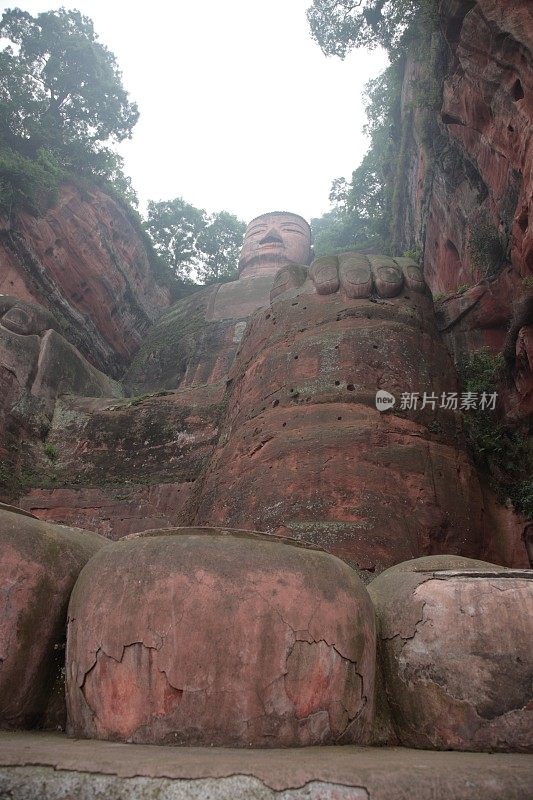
(273, 240)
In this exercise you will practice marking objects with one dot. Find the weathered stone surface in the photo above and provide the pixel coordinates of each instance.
(53, 767)
(506, 534)
(273, 240)
(523, 373)
(483, 175)
(124, 466)
(304, 451)
(362, 276)
(492, 315)
(85, 261)
(61, 369)
(38, 567)
(16, 510)
(26, 318)
(468, 192)
(478, 317)
(37, 364)
(454, 642)
(186, 348)
(114, 511)
(301, 393)
(219, 637)
(41, 360)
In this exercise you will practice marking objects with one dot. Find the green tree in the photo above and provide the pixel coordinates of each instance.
(197, 245)
(335, 232)
(62, 104)
(59, 86)
(339, 26)
(219, 244)
(362, 206)
(62, 107)
(174, 226)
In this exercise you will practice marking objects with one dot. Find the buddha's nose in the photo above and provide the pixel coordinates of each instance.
(272, 235)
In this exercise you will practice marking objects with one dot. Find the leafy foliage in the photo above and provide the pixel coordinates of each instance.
(361, 212)
(61, 104)
(335, 232)
(51, 451)
(341, 25)
(219, 244)
(372, 203)
(59, 84)
(194, 243)
(173, 226)
(31, 183)
(498, 450)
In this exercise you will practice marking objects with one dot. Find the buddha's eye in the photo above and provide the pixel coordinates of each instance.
(294, 230)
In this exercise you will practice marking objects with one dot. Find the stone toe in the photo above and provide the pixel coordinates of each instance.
(324, 274)
(355, 275)
(388, 277)
(412, 273)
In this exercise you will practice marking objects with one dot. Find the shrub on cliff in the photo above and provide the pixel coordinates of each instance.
(27, 182)
(499, 451)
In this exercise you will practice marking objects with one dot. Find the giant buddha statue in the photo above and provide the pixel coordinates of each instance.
(256, 408)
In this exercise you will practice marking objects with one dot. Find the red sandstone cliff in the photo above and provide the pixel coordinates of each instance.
(85, 261)
(467, 180)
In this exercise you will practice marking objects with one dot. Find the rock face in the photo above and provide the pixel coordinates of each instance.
(38, 568)
(186, 347)
(124, 466)
(219, 637)
(469, 188)
(37, 365)
(453, 637)
(85, 262)
(162, 443)
(77, 294)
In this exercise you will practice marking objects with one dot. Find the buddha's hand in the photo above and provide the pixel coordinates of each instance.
(360, 276)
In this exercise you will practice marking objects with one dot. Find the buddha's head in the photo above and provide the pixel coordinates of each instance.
(272, 241)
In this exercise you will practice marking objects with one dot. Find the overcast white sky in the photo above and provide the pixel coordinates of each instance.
(240, 110)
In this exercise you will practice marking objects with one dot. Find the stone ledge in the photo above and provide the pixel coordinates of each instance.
(52, 766)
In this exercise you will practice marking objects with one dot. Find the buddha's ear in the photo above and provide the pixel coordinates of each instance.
(311, 255)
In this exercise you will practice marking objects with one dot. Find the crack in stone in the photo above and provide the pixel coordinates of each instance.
(420, 621)
(363, 699)
(197, 784)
